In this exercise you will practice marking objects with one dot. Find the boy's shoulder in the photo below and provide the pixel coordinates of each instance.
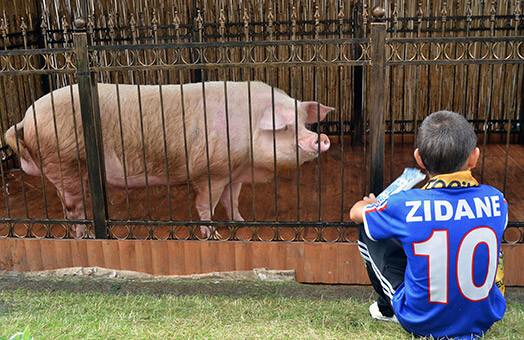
(405, 199)
(481, 189)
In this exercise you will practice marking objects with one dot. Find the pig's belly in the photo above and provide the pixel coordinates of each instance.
(135, 181)
(115, 176)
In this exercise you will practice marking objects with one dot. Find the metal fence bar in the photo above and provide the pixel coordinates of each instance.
(92, 132)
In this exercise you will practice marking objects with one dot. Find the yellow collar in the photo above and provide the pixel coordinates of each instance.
(462, 179)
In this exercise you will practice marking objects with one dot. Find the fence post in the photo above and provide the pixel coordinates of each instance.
(377, 102)
(357, 78)
(88, 94)
(521, 116)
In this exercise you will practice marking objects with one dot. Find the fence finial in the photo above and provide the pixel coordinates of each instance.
(365, 15)
(199, 21)
(270, 18)
(394, 13)
(420, 13)
(176, 23)
(378, 12)
(111, 26)
(222, 22)
(3, 27)
(154, 20)
(91, 23)
(517, 11)
(444, 11)
(340, 16)
(79, 23)
(316, 16)
(132, 22)
(493, 10)
(293, 22)
(246, 23)
(65, 28)
(23, 27)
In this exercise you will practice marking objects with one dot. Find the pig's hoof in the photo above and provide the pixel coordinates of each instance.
(209, 233)
(215, 235)
(78, 231)
(81, 231)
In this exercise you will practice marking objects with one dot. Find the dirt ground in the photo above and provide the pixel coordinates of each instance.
(204, 287)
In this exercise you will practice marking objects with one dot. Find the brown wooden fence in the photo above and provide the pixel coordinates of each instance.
(333, 263)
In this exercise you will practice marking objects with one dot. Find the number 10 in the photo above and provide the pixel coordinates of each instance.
(436, 249)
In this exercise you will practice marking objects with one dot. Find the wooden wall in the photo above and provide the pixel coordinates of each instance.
(330, 263)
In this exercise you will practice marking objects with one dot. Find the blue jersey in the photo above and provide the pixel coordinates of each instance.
(452, 239)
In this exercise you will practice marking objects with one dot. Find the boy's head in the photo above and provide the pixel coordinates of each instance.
(446, 143)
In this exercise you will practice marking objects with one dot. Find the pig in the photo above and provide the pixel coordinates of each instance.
(271, 109)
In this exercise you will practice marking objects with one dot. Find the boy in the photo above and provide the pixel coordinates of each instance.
(435, 260)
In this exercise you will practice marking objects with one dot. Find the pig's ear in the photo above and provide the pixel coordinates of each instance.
(315, 111)
(283, 117)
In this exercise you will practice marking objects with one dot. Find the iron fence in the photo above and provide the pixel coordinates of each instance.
(383, 76)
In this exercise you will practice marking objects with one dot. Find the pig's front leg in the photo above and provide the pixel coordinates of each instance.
(205, 208)
(226, 200)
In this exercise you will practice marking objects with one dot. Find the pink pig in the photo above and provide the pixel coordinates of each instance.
(64, 173)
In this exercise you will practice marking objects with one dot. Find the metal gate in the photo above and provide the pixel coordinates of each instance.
(382, 74)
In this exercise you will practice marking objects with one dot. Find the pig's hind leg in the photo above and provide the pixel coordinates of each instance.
(69, 190)
(234, 188)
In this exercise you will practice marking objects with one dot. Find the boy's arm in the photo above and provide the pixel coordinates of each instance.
(357, 210)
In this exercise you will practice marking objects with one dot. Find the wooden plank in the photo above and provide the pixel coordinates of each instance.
(243, 256)
(328, 263)
(17, 248)
(48, 254)
(513, 269)
(192, 255)
(34, 254)
(312, 265)
(95, 255)
(6, 259)
(260, 254)
(177, 263)
(112, 254)
(127, 254)
(143, 257)
(63, 254)
(278, 262)
(226, 260)
(209, 259)
(159, 258)
(295, 259)
(79, 253)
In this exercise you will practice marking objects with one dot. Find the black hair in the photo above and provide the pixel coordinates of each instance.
(445, 141)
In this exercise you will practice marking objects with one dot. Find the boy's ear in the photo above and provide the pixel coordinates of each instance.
(473, 158)
(418, 159)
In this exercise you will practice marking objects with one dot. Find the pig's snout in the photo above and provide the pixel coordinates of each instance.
(311, 144)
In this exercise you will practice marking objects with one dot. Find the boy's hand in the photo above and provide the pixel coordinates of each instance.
(371, 199)
(356, 212)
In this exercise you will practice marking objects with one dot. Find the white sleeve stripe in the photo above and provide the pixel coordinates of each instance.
(366, 228)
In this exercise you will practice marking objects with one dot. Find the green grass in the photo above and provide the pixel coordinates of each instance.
(94, 315)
